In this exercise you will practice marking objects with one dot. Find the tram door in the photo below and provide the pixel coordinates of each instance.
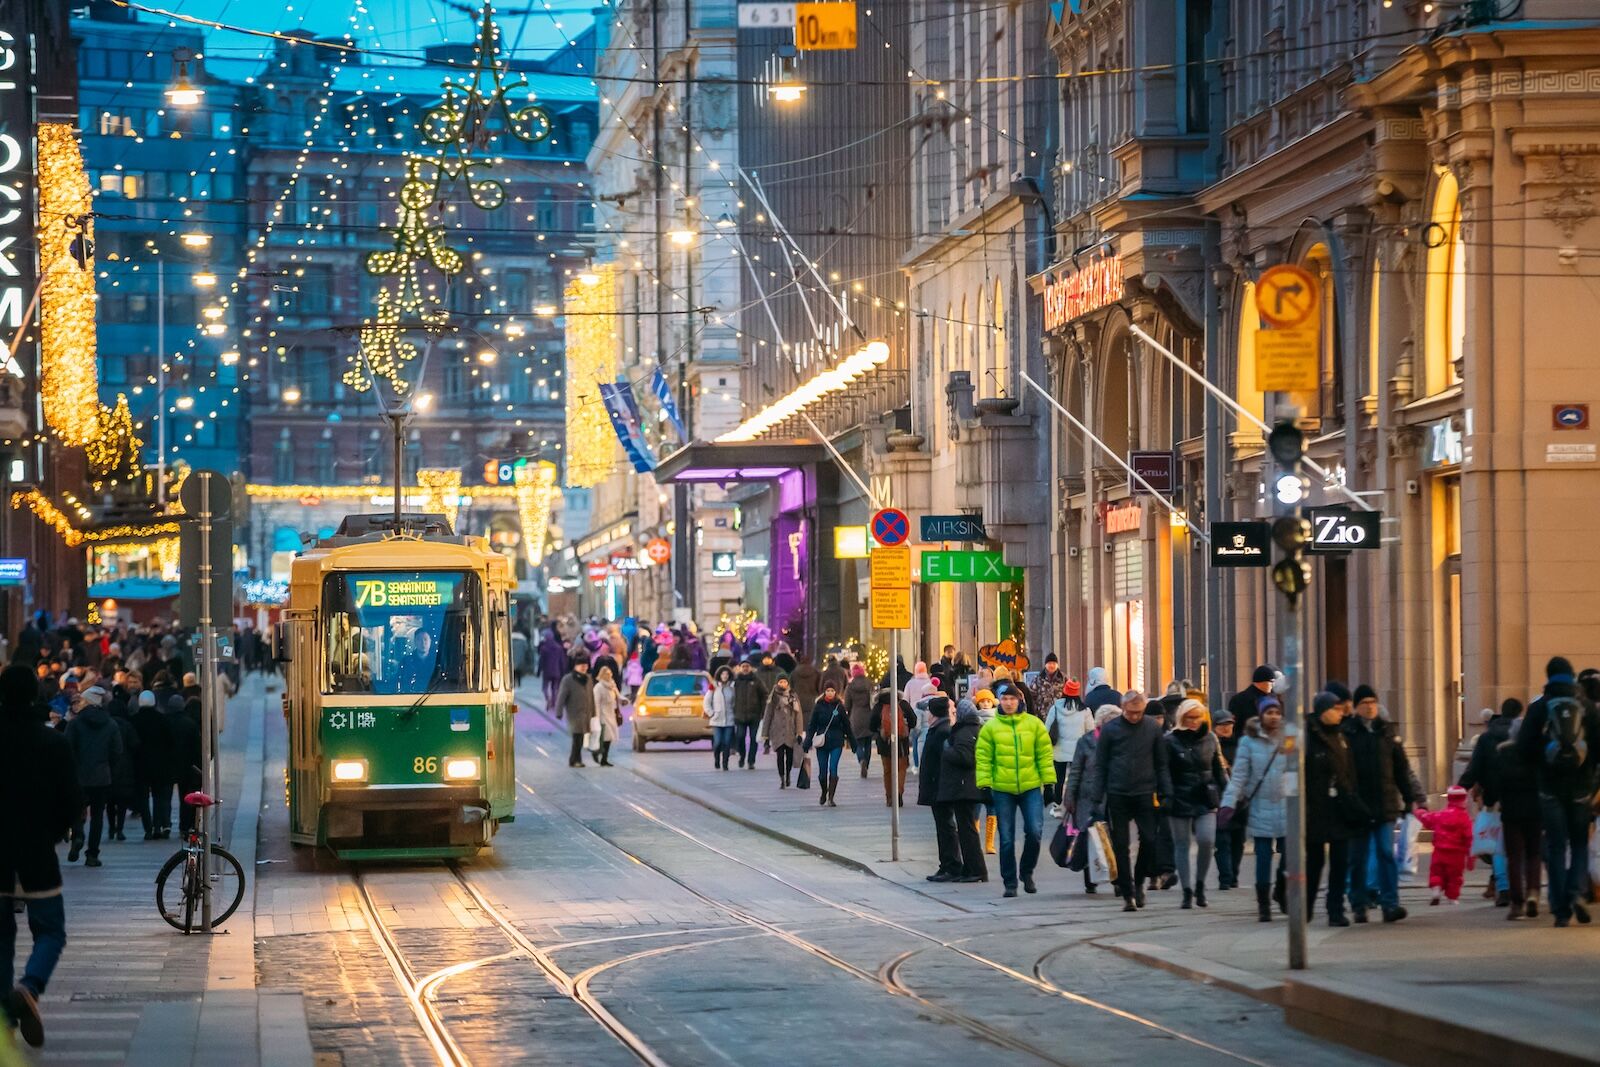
(305, 713)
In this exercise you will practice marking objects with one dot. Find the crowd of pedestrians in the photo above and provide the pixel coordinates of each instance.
(1175, 790)
(97, 723)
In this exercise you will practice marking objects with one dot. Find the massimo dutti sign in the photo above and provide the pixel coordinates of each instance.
(1241, 544)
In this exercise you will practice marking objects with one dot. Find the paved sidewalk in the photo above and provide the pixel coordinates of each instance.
(1457, 985)
(132, 990)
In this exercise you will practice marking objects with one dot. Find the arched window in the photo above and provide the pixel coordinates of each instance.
(1446, 329)
(1246, 391)
(1324, 402)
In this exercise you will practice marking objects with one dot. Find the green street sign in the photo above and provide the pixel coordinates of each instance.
(976, 566)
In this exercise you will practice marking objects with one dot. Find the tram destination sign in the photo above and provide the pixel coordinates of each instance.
(937, 528)
(1337, 529)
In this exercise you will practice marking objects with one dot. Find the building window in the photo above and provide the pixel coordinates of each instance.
(283, 459)
(1446, 328)
(114, 124)
(1249, 325)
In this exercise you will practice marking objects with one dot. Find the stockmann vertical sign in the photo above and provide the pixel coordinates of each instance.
(976, 566)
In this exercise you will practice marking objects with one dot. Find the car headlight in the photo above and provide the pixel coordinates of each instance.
(350, 770)
(461, 769)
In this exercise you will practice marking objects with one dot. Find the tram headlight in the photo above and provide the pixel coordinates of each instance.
(350, 770)
(464, 769)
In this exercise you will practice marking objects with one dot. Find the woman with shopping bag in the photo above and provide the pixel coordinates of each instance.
(1081, 812)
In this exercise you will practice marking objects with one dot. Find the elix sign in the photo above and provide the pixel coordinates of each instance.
(1336, 529)
(980, 566)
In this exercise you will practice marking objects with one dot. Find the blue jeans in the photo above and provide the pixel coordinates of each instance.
(864, 755)
(1264, 858)
(47, 919)
(721, 739)
(1006, 807)
(828, 762)
(1502, 876)
(1374, 874)
(916, 746)
(745, 738)
(1566, 850)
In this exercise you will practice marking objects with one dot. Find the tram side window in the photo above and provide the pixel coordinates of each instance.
(403, 632)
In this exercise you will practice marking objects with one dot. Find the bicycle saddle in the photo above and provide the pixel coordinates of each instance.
(198, 799)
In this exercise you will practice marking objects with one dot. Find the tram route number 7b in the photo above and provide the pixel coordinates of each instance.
(1337, 529)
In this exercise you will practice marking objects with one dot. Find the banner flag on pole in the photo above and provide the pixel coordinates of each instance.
(663, 391)
(629, 434)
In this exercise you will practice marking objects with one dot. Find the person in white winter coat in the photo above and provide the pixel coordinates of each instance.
(607, 715)
(1066, 721)
(719, 709)
(1257, 785)
(917, 689)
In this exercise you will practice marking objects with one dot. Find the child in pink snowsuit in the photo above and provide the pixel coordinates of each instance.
(1452, 844)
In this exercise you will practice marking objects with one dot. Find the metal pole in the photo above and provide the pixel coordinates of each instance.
(161, 382)
(399, 455)
(894, 748)
(207, 666)
(1312, 465)
(1292, 656)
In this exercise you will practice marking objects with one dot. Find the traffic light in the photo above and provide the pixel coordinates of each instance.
(1287, 444)
(1292, 573)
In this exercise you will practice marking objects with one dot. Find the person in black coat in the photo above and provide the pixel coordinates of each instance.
(1242, 705)
(183, 721)
(1383, 781)
(42, 802)
(125, 782)
(1334, 811)
(944, 815)
(830, 729)
(958, 787)
(1560, 738)
(1511, 784)
(155, 767)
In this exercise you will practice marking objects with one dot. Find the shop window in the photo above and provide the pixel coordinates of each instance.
(1446, 328)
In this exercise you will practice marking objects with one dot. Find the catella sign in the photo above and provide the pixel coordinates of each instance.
(1082, 290)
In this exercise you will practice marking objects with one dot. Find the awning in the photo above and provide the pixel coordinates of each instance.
(743, 461)
(133, 589)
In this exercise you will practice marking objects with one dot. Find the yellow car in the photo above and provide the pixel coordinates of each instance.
(670, 706)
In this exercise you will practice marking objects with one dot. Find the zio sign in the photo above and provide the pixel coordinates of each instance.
(1342, 529)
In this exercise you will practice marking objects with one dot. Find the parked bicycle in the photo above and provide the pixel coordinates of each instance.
(180, 880)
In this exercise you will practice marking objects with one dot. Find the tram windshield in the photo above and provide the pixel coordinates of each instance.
(402, 632)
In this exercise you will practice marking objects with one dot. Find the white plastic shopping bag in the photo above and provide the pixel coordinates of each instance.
(1102, 860)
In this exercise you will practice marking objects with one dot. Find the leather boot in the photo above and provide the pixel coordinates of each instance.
(1280, 894)
(833, 790)
(991, 827)
(1263, 904)
(822, 790)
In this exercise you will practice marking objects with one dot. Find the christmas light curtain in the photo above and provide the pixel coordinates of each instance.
(591, 359)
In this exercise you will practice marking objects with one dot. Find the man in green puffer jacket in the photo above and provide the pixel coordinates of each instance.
(1015, 762)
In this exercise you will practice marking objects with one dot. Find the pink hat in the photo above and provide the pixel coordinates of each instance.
(857, 670)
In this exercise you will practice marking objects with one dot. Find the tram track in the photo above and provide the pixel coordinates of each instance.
(420, 990)
(889, 976)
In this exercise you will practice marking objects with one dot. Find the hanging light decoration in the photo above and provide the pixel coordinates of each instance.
(591, 360)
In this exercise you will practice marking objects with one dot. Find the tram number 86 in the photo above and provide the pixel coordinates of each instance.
(425, 765)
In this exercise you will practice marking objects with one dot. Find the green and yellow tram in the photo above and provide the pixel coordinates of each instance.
(399, 691)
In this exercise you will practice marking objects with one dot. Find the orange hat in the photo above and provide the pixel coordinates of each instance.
(1071, 688)
(983, 694)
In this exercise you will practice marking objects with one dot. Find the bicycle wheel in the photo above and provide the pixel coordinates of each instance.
(227, 889)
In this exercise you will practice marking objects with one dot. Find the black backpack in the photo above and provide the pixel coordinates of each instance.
(1566, 748)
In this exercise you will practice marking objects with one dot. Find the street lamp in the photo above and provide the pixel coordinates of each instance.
(182, 92)
(195, 239)
(205, 279)
(682, 235)
(291, 395)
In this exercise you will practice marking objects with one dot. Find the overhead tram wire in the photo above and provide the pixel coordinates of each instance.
(438, 61)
